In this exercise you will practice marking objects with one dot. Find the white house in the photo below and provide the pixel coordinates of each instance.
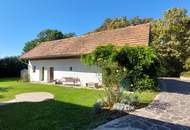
(55, 60)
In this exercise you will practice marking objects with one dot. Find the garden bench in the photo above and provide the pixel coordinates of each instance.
(69, 81)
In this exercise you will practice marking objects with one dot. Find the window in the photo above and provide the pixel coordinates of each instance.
(70, 68)
(34, 69)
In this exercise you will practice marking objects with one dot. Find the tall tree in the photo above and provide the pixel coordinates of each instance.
(46, 35)
(11, 67)
(30, 45)
(121, 22)
(171, 40)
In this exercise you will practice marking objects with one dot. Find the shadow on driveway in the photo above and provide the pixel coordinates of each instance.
(175, 86)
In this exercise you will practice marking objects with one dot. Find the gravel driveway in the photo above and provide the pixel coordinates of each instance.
(169, 111)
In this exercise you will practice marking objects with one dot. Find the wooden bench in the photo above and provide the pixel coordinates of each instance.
(69, 81)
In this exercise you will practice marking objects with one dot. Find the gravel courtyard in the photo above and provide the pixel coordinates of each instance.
(169, 111)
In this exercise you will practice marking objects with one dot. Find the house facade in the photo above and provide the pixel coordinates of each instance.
(55, 60)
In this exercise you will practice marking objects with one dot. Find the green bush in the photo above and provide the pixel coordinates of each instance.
(25, 75)
(144, 83)
(130, 99)
(137, 65)
(185, 74)
(11, 67)
(187, 64)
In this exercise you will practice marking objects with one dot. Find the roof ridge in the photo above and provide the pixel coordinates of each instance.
(116, 29)
(94, 33)
(132, 35)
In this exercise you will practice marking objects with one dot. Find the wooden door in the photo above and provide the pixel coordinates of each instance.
(51, 74)
(42, 74)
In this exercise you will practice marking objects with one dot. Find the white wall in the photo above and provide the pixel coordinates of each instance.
(62, 69)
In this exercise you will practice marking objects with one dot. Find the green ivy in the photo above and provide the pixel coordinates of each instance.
(136, 64)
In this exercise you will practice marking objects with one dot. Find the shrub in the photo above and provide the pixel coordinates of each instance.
(185, 74)
(24, 75)
(187, 64)
(130, 99)
(112, 97)
(144, 83)
(134, 64)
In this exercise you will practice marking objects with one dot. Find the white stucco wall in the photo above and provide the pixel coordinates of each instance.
(62, 69)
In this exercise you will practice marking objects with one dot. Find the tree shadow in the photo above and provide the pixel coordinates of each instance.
(56, 115)
(53, 115)
(175, 86)
(9, 79)
(5, 89)
(134, 122)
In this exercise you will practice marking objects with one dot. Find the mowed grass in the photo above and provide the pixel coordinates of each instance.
(71, 109)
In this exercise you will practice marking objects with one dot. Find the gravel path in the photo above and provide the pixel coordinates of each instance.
(32, 97)
(169, 111)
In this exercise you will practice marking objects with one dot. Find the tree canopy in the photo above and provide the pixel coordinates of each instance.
(171, 40)
(121, 22)
(46, 35)
(11, 67)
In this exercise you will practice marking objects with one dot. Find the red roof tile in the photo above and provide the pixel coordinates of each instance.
(133, 35)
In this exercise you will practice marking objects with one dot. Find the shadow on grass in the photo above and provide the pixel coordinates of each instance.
(9, 79)
(175, 86)
(56, 115)
(53, 115)
(5, 89)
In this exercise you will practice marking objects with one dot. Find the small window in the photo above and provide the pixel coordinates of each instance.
(34, 69)
(70, 68)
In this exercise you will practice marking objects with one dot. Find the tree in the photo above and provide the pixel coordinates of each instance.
(137, 20)
(118, 63)
(171, 40)
(121, 22)
(46, 35)
(134, 64)
(187, 65)
(30, 45)
(11, 67)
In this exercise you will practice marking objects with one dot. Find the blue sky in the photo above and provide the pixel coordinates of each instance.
(21, 20)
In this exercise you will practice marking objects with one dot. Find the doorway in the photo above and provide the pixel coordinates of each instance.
(42, 74)
(51, 74)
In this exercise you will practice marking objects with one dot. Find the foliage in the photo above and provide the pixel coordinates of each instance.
(140, 63)
(185, 74)
(11, 67)
(130, 99)
(111, 97)
(25, 75)
(103, 58)
(134, 63)
(187, 64)
(144, 83)
(46, 35)
(30, 45)
(171, 40)
(50, 35)
(121, 22)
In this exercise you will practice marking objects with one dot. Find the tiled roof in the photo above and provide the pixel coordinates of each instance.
(132, 35)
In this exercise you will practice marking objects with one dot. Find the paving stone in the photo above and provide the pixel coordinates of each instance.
(169, 111)
(139, 125)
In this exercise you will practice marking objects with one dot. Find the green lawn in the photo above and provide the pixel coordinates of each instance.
(71, 109)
